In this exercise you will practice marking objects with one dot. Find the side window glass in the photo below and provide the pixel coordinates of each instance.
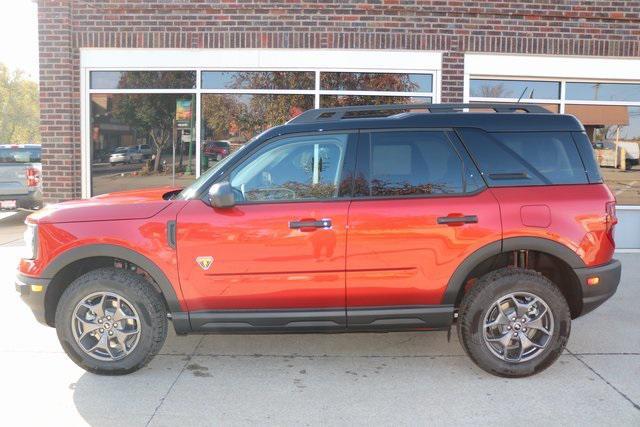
(296, 168)
(526, 158)
(412, 163)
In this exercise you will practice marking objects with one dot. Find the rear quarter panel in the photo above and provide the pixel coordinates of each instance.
(573, 215)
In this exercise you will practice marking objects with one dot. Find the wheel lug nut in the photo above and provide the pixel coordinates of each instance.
(99, 320)
(509, 327)
(101, 330)
(108, 317)
(524, 329)
(515, 334)
(110, 333)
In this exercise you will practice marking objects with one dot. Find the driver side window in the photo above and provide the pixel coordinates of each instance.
(295, 168)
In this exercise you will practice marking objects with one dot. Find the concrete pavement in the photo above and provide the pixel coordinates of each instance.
(379, 379)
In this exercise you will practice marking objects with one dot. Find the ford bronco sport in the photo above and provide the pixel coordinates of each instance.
(369, 218)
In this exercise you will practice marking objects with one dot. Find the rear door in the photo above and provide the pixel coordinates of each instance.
(419, 209)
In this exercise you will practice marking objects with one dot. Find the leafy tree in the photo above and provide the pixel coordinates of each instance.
(19, 108)
(239, 117)
(151, 114)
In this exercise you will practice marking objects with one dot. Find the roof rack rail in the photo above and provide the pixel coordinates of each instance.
(339, 113)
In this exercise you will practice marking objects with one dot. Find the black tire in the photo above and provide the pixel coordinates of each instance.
(479, 300)
(143, 297)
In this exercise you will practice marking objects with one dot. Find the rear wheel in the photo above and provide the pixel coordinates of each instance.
(111, 321)
(514, 322)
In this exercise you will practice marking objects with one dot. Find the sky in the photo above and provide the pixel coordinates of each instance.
(19, 36)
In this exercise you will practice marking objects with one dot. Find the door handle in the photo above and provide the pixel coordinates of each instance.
(454, 220)
(310, 224)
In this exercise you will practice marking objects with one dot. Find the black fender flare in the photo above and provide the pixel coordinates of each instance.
(120, 252)
(539, 244)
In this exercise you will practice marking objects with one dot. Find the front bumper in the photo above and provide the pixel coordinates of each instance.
(32, 291)
(594, 295)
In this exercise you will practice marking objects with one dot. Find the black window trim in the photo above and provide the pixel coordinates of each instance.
(447, 133)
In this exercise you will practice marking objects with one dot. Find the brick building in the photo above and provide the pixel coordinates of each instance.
(169, 78)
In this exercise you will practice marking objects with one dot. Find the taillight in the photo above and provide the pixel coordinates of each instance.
(612, 219)
(33, 177)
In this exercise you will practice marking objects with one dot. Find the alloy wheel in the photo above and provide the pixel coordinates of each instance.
(518, 327)
(106, 326)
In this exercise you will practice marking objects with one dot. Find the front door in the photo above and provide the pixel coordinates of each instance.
(420, 209)
(277, 258)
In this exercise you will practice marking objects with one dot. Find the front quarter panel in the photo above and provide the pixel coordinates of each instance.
(146, 237)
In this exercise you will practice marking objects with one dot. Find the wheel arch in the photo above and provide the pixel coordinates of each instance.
(95, 256)
(493, 256)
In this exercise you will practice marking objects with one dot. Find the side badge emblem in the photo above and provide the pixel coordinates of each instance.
(204, 262)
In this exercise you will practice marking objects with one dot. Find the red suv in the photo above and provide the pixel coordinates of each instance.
(373, 218)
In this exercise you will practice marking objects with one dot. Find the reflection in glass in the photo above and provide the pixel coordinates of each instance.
(388, 82)
(347, 100)
(614, 130)
(554, 108)
(597, 91)
(258, 80)
(297, 168)
(413, 163)
(525, 89)
(232, 119)
(132, 140)
(143, 80)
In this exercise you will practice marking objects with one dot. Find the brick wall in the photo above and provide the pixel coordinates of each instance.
(562, 27)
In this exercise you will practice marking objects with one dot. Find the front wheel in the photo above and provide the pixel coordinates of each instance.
(514, 322)
(111, 321)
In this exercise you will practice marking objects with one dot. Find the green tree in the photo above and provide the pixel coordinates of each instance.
(19, 108)
(151, 114)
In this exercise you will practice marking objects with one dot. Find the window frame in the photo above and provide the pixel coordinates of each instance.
(364, 149)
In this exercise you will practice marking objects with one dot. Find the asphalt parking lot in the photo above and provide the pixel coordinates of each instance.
(347, 379)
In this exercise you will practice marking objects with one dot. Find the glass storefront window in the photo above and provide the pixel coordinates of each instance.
(133, 138)
(143, 80)
(525, 89)
(615, 134)
(134, 127)
(598, 91)
(230, 120)
(258, 80)
(327, 101)
(387, 82)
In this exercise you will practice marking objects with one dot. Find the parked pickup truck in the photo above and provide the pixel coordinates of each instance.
(20, 176)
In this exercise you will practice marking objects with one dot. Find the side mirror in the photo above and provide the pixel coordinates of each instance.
(221, 195)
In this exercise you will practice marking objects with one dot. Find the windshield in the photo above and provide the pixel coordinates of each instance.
(192, 189)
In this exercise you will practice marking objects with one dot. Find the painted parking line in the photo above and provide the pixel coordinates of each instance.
(629, 186)
(7, 214)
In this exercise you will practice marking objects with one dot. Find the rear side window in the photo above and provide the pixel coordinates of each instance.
(526, 158)
(411, 163)
(19, 154)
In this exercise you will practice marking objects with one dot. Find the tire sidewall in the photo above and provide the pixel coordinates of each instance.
(73, 295)
(526, 283)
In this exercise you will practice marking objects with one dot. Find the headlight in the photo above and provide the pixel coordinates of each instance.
(30, 241)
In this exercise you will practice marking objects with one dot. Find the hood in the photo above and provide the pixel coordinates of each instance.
(133, 204)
